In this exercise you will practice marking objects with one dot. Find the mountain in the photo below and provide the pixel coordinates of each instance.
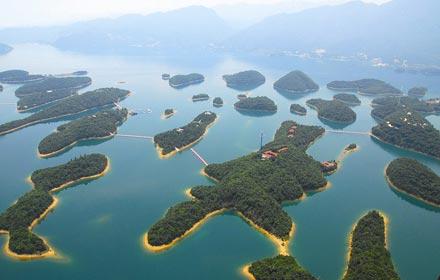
(401, 28)
(4, 49)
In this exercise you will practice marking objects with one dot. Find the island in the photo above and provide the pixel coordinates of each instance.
(102, 125)
(20, 218)
(200, 97)
(415, 179)
(165, 76)
(168, 113)
(409, 130)
(384, 106)
(80, 73)
(170, 142)
(348, 99)
(254, 186)
(19, 77)
(298, 109)
(365, 87)
(296, 82)
(369, 258)
(246, 80)
(1, 87)
(256, 104)
(37, 100)
(181, 81)
(69, 106)
(4, 49)
(332, 110)
(277, 268)
(217, 102)
(53, 83)
(242, 96)
(418, 92)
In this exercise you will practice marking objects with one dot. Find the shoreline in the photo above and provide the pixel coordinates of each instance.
(246, 273)
(295, 91)
(256, 111)
(203, 173)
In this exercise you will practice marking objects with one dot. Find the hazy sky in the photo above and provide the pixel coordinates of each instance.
(49, 12)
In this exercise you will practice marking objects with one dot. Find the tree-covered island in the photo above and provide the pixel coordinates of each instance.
(348, 99)
(52, 84)
(384, 106)
(181, 81)
(418, 92)
(296, 82)
(171, 141)
(200, 97)
(278, 268)
(19, 77)
(34, 101)
(101, 125)
(255, 186)
(369, 258)
(246, 80)
(256, 104)
(168, 113)
(414, 178)
(69, 106)
(20, 218)
(217, 102)
(332, 110)
(298, 109)
(365, 86)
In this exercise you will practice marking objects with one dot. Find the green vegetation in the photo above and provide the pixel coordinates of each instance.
(80, 73)
(181, 81)
(298, 109)
(18, 77)
(217, 102)
(417, 91)
(200, 97)
(279, 268)
(332, 110)
(168, 113)
(32, 101)
(258, 104)
(241, 96)
(409, 130)
(100, 125)
(18, 218)
(369, 258)
(52, 84)
(246, 80)
(365, 86)
(69, 106)
(296, 82)
(384, 106)
(178, 138)
(414, 178)
(350, 147)
(349, 99)
(252, 185)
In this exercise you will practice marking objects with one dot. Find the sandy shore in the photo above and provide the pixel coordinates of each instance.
(246, 273)
(203, 173)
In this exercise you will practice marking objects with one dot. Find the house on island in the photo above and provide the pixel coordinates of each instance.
(272, 154)
(291, 131)
(329, 166)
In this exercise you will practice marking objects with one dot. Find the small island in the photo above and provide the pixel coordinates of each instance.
(246, 80)
(69, 106)
(409, 130)
(348, 99)
(242, 96)
(20, 218)
(200, 97)
(168, 113)
(19, 77)
(418, 92)
(165, 76)
(415, 179)
(365, 87)
(170, 142)
(256, 104)
(52, 84)
(217, 102)
(37, 100)
(102, 125)
(332, 110)
(369, 258)
(80, 73)
(181, 81)
(298, 109)
(254, 186)
(4, 49)
(296, 82)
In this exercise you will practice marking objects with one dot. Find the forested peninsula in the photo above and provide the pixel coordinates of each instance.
(255, 186)
(332, 110)
(98, 126)
(414, 178)
(69, 106)
(20, 218)
(246, 80)
(384, 106)
(256, 104)
(365, 86)
(278, 268)
(369, 258)
(171, 141)
(348, 99)
(298, 109)
(181, 81)
(53, 84)
(34, 101)
(296, 82)
(19, 77)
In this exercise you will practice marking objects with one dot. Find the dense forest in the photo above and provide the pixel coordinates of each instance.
(168, 112)
(69, 106)
(200, 97)
(296, 82)
(409, 130)
(181, 81)
(18, 77)
(384, 106)
(417, 91)
(254, 187)
(365, 86)
(414, 178)
(259, 103)
(18, 218)
(217, 102)
(33, 101)
(298, 109)
(246, 80)
(102, 124)
(279, 268)
(349, 99)
(332, 110)
(369, 257)
(53, 83)
(180, 137)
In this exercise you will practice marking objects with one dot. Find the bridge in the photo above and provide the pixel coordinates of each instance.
(199, 157)
(348, 132)
(134, 136)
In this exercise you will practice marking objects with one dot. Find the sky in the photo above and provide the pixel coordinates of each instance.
(55, 12)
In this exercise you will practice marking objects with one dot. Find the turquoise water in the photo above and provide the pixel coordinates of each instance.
(97, 227)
